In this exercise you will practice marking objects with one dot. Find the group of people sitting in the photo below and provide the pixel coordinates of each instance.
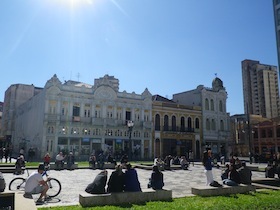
(236, 174)
(60, 160)
(169, 161)
(120, 181)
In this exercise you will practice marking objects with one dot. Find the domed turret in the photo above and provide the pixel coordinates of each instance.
(217, 84)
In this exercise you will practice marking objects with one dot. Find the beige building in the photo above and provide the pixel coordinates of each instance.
(82, 118)
(177, 128)
(215, 119)
(260, 89)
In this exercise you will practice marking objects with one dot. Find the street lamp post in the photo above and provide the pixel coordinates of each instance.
(130, 125)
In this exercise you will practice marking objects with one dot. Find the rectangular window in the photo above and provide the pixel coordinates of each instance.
(76, 111)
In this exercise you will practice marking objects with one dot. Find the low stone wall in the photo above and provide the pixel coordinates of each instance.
(87, 200)
(224, 190)
(53, 166)
(16, 201)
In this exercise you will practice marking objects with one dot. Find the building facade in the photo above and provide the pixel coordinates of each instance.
(276, 9)
(260, 89)
(177, 128)
(215, 119)
(84, 119)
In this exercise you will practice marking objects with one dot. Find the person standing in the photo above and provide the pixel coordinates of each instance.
(207, 163)
(116, 180)
(191, 158)
(35, 184)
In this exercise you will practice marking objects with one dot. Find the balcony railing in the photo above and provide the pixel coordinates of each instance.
(175, 129)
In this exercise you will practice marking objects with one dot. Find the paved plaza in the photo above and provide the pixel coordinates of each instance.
(75, 182)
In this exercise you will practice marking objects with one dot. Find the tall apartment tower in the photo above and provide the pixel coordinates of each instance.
(260, 89)
(276, 9)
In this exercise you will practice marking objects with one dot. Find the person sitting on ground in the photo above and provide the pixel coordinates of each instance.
(116, 180)
(245, 174)
(233, 177)
(131, 181)
(184, 163)
(92, 161)
(269, 170)
(59, 161)
(19, 165)
(225, 173)
(47, 160)
(70, 160)
(98, 184)
(35, 184)
(156, 180)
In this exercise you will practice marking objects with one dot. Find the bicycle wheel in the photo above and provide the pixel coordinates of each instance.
(17, 184)
(54, 187)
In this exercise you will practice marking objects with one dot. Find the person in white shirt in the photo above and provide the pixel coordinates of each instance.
(35, 184)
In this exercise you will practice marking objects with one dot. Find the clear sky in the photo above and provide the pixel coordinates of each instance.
(168, 46)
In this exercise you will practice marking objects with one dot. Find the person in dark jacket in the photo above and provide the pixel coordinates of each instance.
(131, 181)
(116, 180)
(233, 177)
(98, 184)
(156, 180)
(245, 174)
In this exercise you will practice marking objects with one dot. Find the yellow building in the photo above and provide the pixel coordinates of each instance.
(177, 128)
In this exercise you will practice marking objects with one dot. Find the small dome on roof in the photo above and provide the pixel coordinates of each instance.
(217, 84)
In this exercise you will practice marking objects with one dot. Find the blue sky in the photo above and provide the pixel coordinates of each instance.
(168, 46)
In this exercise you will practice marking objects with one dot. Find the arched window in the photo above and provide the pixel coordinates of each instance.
(157, 122)
(221, 106)
(165, 123)
(206, 104)
(207, 124)
(182, 124)
(212, 105)
(189, 123)
(196, 123)
(213, 125)
(173, 123)
(222, 126)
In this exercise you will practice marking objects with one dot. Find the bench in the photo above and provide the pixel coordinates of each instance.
(7, 168)
(88, 200)
(16, 201)
(224, 190)
(107, 165)
(53, 166)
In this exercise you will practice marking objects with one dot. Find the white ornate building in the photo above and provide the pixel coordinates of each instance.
(216, 121)
(82, 118)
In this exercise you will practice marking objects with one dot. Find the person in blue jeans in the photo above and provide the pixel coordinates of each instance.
(233, 177)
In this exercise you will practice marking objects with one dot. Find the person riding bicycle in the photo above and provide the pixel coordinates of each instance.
(35, 184)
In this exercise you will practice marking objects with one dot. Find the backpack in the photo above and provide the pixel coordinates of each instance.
(2, 183)
(215, 184)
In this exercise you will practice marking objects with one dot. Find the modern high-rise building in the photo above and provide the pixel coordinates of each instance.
(276, 9)
(260, 89)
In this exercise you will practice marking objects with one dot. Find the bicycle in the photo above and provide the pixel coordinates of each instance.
(18, 184)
